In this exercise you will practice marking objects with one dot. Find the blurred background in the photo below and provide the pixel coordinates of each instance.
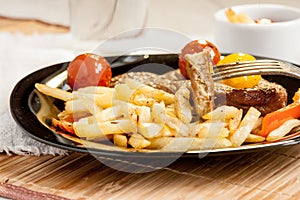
(189, 17)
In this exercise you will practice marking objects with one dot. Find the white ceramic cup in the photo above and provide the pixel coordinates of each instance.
(279, 40)
(103, 19)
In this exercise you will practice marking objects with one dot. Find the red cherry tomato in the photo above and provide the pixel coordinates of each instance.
(197, 46)
(88, 70)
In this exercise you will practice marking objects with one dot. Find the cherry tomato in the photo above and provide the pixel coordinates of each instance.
(197, 46)
(244, 81)
(88, 70)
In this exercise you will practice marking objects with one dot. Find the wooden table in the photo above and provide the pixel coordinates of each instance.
(261, 175)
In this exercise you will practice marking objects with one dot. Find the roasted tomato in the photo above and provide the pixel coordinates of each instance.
(244, 81)
(88, 70)
(197, 46)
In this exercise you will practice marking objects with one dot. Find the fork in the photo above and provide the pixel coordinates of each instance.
(257, 67)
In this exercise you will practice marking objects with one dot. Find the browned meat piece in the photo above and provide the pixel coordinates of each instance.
(266, 97)
(199, 72)
(165, 82)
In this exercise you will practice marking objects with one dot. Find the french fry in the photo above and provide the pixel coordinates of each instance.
(235, 121)
(123, 92)
(144, 114)
(181, 129)
(138, 142)
(184, 144)
(257, 127)
(96, 90)
(83, 129)
(243, 18)
(74, 106)
(138, 114)
(209, 129)
(54, 92)
(91, 106)
(149, 92)
(101, 100)
(158, 113)
(120, 140)
(213, 129)
(128, 110)
(173, 122)
(245, 127)
(238, 18)
(221, 113)
(182, 105)
(133, 84)
(150, 130)
(251, 138)
(284, 129)
(167, 132)
(109, 114)
(231, 16)
(142, 100)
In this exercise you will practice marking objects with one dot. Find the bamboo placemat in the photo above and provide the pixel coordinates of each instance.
(261, 175)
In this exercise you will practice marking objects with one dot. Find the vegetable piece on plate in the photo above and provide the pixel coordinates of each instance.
(138, 142)
(296, 97)
(158, 113)
(197, 46)
(221, 113)
(245, 127)
(146, 95)
(182, 105)
(54, 92)
(188, 143)
(275, 119)
(120, 140)
(244, 81)
(284, 129)
(150, 130)
(88, 70)
(254, 138)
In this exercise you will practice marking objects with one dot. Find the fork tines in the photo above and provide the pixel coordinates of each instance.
(264, 67)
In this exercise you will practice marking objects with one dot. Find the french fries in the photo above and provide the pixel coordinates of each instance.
(252, 138)
(138, 142)
(182, 105)
(241, 18)
(221, 113)
(283, 129)
(188, 144)
(149, 93)
(245, 127)
(120, 140)
(54, 92)
(137, 116)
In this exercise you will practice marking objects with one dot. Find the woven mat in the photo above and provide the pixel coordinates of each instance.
(261, 175)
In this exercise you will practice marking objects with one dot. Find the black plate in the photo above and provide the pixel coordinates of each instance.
(24, 103)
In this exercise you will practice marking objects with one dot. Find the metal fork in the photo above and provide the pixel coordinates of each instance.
(257, 67)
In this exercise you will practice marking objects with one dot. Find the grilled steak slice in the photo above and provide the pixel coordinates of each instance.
(201, 81)
(266, 97)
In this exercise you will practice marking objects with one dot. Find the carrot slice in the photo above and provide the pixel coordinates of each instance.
(275, 119)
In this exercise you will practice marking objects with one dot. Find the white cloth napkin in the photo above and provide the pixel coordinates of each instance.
(19, 56)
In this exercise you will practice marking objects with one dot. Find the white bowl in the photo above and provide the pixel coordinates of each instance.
(279, 40)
